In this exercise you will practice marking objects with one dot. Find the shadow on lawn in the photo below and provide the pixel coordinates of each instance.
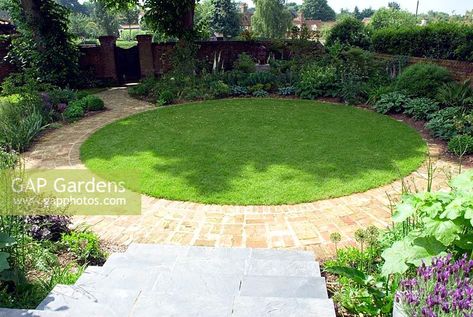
(308, 152)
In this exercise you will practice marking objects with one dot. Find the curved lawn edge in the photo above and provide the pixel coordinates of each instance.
(402, 174)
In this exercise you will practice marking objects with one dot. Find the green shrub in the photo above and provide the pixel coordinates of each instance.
(456, 95)
(443, 124)
(287, 91)
(239, 91)
(260, 93)
(461, 145)
(82, 94)
(436, 40)
(349, 31)
(219, 89)
(8, 160)
(266, 79)
(392, 102)
(317, 81)
(375, 93)
(245, 63)
(93, 103)
(421, 108)
(166, 97)
(74, 111)
(85, 245)
(20, 121)
(234, 77)
(423, 80)
(58, 96)
(193, 94)
(144, 88)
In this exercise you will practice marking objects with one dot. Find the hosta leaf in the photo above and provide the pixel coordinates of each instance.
(396, 257)
(403, 212)
(454, 209)
(6, 240)
(445, 231)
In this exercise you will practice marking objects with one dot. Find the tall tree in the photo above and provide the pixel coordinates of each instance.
(318, 10)
(106, 20)
(224, 18)
(394, 5)
(387, 17)
(73, 5)
(271, 18)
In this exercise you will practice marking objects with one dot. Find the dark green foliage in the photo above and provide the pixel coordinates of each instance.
(238, 91)
(44, 47)
(317, 81)
(287, 91)
(85, 246)
(166, 97)
(145, 87)
(74, 111)
(318, 10)
(421, 108)
(444, 123)
(456, 95)
(436, 40)
(58, 96)
(423, 80)
(224, 18)
(219, 89)
(349, 31)
(21, 119)
(93, 103)
(391, 102)
(461, 145)
(245, 63)
(266, 79)
(260, 93)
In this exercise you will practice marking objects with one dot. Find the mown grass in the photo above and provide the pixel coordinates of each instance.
(255, 151)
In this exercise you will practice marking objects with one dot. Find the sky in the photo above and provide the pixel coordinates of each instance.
(459, 6)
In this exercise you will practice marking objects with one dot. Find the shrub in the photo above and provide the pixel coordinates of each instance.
(93, 103)
(47, 227)
(443, 123)
(260, 93)
(287, 91)
(239, 91)
(166, 97)
(234, 77)
(423, 80)
(456, 95)
(436, 40)
(461, 145)
(144, 88)
(219, 89)
(82, 94)
(8, 160)
(349, 31)
(85, 245)
(421, 108)
(192, 94)
(266, 79)
(74, 111)
(392, 102)
(58, 96)
(245, 63)
(20, 121)
(317, 81)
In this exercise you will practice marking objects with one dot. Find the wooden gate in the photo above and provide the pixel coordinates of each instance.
(128, 64)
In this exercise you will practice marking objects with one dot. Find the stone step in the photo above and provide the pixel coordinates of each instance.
(245, 306)
(5, 312)
(76, 301)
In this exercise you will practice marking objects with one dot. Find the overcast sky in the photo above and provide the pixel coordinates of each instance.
(459, 6)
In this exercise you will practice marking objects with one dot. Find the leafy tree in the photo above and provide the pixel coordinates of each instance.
(224, 18)
(271, 19)
(83, 26)
(106, 20)
(44, 47)
(73, 5)
(357, 13)
(386, 17)
(394, 5)
(203, 12)
(366, 13)
(318, 10)
(293, 7)
(349, 31)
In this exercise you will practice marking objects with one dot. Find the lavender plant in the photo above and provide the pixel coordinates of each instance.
(444, 288)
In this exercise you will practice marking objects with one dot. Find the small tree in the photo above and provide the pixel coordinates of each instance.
(349, 31)
(388, 17)
(224, 18)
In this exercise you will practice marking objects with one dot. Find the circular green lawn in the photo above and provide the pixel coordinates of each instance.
(255, 151)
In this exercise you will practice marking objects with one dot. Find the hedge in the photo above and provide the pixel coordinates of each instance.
(437, 41)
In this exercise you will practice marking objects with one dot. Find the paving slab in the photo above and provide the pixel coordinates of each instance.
(283, 268)
(5, 312)
(283, 286)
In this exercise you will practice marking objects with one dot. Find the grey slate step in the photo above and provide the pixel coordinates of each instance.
(282, 307)
(5, 312)
(284, 286)
(76, 301)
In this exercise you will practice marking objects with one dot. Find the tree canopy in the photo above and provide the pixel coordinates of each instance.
(224, 18)
(271, 19)
(318, 10)
(389, 17)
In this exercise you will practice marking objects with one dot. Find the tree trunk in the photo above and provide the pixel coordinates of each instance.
(33, 17)
(188, 18)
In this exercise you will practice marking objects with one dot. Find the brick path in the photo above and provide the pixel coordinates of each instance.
(304, 226)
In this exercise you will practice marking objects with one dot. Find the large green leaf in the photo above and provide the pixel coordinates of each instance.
(465, 242)
(403, 212)
(351, 273)
(463, 182)
(454, 209)
(445, 231)
(469, 214)
(424, 249)
(396, 257)
(6, 240)
(4, 261)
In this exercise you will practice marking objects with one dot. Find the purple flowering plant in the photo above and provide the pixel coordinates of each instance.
(444, 288)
